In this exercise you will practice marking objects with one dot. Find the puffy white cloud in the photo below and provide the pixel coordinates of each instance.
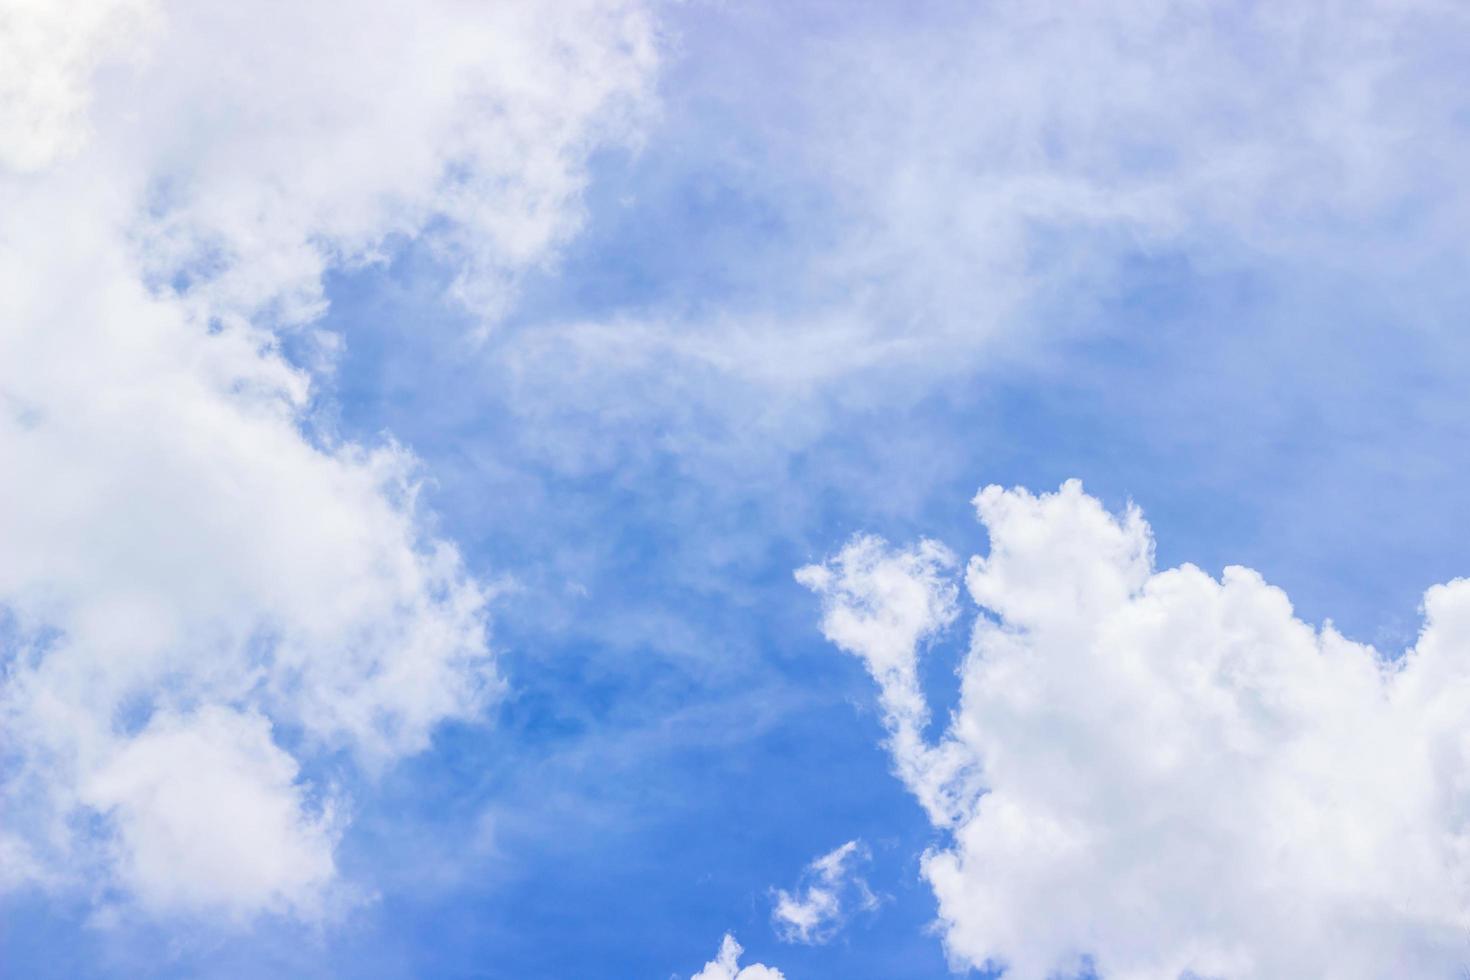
(1167, 774)
(830, 888)
(213, 793)
(283, 139)
(191, 568)
(726, 966)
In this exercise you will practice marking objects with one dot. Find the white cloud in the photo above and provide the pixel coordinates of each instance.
(51, 54)
(726, 966)
(882, 605)
(187, 572)
(277, 141)
(1179, 777)
(213, 793)
(831, 888)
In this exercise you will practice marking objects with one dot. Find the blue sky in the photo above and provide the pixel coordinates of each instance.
(430, 445)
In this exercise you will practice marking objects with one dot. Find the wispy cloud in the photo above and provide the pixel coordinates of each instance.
(831, 889)
(955, 185)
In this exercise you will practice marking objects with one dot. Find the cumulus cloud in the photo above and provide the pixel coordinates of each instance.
(831, 888)
(726, 966)
(202, 592)
(1166, 773)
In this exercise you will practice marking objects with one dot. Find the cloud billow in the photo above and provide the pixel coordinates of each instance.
(1156, 773)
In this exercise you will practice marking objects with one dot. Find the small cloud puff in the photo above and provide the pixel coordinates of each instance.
(829, 889)
(726, 966)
